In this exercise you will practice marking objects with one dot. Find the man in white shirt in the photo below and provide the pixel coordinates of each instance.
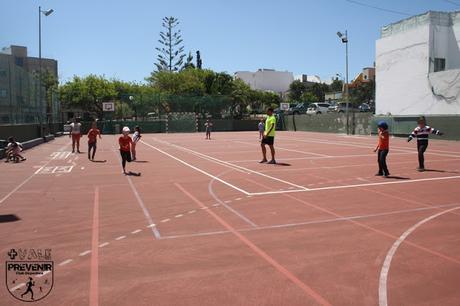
(75, 133)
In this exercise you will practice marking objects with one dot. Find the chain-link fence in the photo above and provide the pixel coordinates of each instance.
(20, 99)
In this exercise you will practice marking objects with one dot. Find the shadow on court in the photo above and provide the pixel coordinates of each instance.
(440, 171)
(395, 177)
(8, 218)
(130, 173)
(282, 164)
(140, 161)
(99, 161)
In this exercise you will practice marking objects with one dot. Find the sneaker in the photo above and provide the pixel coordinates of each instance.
(386, 175)
(272, 162)
(263, 161)
(78, 151)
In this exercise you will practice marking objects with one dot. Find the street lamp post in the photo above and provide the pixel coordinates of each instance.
(46, 13)
(344, 38)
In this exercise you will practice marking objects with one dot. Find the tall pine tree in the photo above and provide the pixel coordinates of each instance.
(171, 52)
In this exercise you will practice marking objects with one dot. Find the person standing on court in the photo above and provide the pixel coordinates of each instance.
(421, 132)
(383, 147)
(269, 137)
(75, 133)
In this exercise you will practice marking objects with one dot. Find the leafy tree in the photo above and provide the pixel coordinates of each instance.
(363, 92)
(171, 53)
(319, 90)
(296, 89)
(309, 97)
(336, 86)
(87, 93)
(123, 110)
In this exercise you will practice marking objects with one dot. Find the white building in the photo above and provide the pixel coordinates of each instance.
(267, 79)
(418, 66)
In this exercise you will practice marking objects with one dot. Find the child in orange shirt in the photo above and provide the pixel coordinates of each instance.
(93, 133)
(383, 146)
(125, 143)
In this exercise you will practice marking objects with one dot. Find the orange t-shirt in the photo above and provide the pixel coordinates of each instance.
(92, 135)
(384, 140)
(125, 143)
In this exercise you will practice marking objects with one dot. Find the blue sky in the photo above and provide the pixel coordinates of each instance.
(118, 38)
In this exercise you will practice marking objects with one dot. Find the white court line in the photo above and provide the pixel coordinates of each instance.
(151, 225)
(136, 231)
(155, 231)
(228, 207)
(17, 287)
(178, 216)
(361, 185)
(298, 224)
(315, 158)
(28, 179)
(165, 220)
(44, 273)
(351, 144)
(286, 149)
(236, 166)
(195, 168)
(383, 291)
(65, 262)
(104, 244)
(84, 253)
(121, 237)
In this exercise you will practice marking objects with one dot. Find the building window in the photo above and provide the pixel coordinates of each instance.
(19, 61)
(3, 93)
(2, 73)
(439, 64)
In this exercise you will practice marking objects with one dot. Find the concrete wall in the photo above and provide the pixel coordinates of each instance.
(406, 82)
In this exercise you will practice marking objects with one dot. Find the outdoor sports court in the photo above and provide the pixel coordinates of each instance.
(206, 224)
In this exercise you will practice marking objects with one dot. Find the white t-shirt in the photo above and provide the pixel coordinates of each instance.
(76, 127)
(136, 137)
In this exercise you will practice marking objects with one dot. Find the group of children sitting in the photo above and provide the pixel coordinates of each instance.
(421, 132)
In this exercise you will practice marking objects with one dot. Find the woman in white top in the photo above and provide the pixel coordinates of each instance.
(75, 133)
(136, 137)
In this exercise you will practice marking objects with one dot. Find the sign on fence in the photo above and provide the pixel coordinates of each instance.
(108, 106)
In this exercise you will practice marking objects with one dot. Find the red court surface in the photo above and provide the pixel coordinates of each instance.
(206, 224)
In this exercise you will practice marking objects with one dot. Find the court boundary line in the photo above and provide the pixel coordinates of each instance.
(155, 231)
(232, 165)
(197, 169)
(383, 279)
(30, 177)
(315, 222)
(261, 253)
(358, 185)
(354, 144)
(228, 207)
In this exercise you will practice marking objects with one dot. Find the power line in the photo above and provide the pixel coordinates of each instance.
(452, 2)
(379, 8)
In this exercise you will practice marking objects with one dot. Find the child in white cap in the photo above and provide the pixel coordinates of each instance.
(125, 143)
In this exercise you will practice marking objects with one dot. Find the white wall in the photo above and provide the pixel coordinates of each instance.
(267, 80)
(404, 85)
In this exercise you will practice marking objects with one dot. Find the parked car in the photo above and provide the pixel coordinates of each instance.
(318, 108)
(341, 107)
(364, 108)
(299, 108)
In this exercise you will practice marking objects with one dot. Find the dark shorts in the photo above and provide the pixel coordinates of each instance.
(125, 155)
(269, 140)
